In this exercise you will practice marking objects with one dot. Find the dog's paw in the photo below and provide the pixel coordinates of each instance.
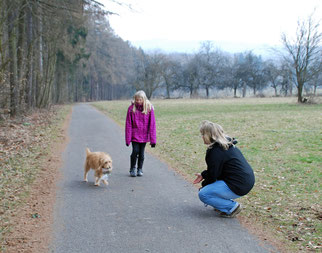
(96, 184)
(105, 182)
(85, 180)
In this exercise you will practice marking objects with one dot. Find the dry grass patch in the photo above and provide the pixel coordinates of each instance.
(24, 146)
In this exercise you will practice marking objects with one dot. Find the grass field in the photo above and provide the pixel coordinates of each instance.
(281, 140)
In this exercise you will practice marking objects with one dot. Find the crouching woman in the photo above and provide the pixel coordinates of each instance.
(228, 175)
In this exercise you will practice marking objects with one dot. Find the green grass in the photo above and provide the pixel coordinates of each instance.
(281, 140)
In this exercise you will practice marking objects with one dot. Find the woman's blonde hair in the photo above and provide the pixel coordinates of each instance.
(214, 133)
(146, 103)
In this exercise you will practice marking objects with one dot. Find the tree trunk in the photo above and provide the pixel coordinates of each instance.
(244, 89)
(39, 80)
(48, 77)
(96, 93)
(13, 62)
(299, 92)
(91, 83)
(78, 82)
(52, 70)
(168, 90)
(58, 83)
(34, 80)
(29, 70)
(111, 92)
(300, 84)
(286, 92)
(207, 91)
(20, 55)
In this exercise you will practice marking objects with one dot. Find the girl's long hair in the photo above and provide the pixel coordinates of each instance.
(146, 103)
(214, 133)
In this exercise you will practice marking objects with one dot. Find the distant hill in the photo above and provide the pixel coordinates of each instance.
(192, 46)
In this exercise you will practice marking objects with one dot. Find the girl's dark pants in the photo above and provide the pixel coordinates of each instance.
(137, 153)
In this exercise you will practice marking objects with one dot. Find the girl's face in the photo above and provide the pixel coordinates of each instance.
(139, 100)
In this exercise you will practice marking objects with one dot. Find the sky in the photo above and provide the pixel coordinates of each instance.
(232, 25)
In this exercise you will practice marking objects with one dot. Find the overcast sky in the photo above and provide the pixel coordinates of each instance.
(233, 25)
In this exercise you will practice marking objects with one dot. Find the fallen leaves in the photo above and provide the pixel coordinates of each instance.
(23, 143)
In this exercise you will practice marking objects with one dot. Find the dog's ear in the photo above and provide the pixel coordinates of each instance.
(101, 162)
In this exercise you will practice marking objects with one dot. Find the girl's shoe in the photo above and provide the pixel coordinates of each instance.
(132, 172)
(140, 173)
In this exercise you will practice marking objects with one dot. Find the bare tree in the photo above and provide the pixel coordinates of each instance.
(255, 69)
(149, 73)
(11, 17)
(249, 72)
(191, 76)
(170, 72)
(304, 52)
(316, 81)
(273, 75)
(211, 67)
(287, 79)
(231, 78)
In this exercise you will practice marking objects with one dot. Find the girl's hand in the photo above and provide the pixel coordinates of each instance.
(198, 179)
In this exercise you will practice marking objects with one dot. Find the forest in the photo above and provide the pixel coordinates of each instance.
(56, 51)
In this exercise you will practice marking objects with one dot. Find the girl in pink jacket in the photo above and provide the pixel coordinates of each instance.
(139, 129)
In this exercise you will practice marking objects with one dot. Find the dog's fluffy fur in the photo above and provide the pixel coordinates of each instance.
(100, 162)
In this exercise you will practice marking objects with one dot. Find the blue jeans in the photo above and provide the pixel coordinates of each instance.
(219, 196)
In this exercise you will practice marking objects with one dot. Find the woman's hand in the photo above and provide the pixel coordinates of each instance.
(198, 179)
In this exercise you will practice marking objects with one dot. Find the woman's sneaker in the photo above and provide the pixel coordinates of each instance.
(140, 173)
(132, 172)
(233, 214)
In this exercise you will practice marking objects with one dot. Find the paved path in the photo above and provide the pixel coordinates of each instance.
(159, 212)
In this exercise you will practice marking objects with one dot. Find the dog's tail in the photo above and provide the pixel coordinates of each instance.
(87, 151)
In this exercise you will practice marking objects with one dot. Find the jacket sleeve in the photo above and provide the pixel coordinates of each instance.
(128, 127)
(215, 163)
(153, 131)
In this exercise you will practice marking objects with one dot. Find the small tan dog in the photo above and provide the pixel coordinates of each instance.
(101, 163)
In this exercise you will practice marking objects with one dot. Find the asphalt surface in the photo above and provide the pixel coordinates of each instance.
(159, 212)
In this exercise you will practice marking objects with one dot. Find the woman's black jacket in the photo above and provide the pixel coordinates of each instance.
(230, 166)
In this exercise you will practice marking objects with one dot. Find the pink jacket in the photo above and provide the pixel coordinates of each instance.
(140, 127)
